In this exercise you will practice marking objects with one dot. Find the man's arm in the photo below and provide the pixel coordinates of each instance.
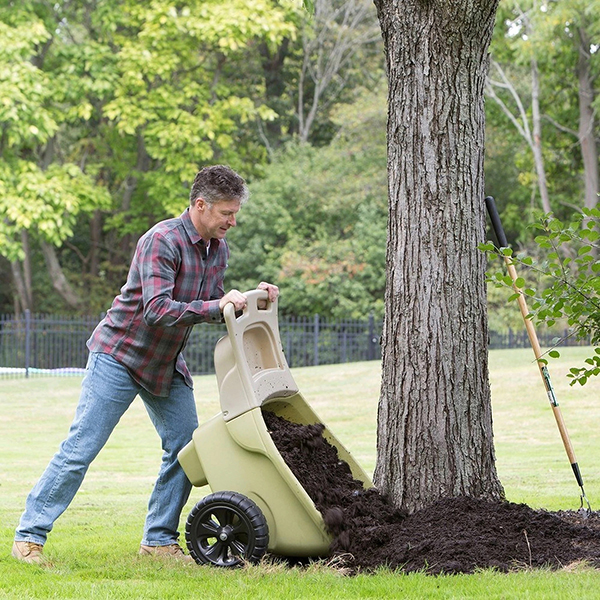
(158, 264)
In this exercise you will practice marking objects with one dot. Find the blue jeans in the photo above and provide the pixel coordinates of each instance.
(107, 392)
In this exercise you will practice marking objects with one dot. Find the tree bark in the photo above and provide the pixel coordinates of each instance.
(24, 300)
(435, 422)
(95, 239)
(59, 281)
(538, 157)
(589, 149)
(272, 64)
(22, 275)
(126, 245)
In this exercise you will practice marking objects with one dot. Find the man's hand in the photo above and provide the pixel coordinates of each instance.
(272, 290)
(236, 298)
(239, 300)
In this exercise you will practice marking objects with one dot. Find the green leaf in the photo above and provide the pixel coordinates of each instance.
(555, 225)
(309, 6)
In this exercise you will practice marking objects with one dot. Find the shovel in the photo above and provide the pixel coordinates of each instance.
(533, 339)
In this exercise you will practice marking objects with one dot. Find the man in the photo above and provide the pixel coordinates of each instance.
(175, 281)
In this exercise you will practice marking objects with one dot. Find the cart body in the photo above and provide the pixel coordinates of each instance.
(234, 451)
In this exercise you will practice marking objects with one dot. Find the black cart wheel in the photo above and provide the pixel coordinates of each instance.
(225, 529)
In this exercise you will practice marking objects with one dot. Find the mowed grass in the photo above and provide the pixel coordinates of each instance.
(93, 547)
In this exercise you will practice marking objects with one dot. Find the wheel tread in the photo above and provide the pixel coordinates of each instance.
(250, 516)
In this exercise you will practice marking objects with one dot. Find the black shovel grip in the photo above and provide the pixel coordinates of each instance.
(496, 223)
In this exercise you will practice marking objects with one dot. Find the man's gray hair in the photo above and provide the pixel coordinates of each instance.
(216, 183)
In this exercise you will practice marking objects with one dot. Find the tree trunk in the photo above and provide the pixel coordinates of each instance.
(23, 300)
(272, 64)
(122, 250)
(59, 281)
(95, 239)
(435, 422)
(22, 275)
(589, 150)
(537, 138)
(27, 271)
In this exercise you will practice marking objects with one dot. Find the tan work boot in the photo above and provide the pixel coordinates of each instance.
(29, 552)
(172, 551)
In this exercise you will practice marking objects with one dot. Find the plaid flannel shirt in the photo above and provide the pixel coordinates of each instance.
(170, 288)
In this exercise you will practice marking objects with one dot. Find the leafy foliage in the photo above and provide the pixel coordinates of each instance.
(316, 222)
(108, 108)
(549, 33)
(571, 268)
(44, 199)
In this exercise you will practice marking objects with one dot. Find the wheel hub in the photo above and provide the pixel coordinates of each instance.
(225, 533)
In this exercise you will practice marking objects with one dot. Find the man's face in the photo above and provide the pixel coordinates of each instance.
(214, 221)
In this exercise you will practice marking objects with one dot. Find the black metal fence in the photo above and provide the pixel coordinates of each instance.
(499, 340)
(33, 345)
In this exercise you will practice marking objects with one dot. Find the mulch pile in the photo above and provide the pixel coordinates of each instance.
(453, 535)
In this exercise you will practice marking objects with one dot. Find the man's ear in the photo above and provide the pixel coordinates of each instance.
(200, 204)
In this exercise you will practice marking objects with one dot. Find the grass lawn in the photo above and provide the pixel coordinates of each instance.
(94, 545)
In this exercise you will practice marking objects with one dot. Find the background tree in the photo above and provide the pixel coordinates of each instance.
(109, 110)
(570, 271)
(543, 77)
(114, 103)
(339, 32)
(434, 420)
(40, 197)
(576, 28)
(335, 51)
(560, 39)
(317, 219)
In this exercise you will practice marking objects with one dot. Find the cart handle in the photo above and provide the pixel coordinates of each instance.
(251, 310)
(256, 368)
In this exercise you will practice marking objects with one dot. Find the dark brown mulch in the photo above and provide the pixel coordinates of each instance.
(453, 535)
